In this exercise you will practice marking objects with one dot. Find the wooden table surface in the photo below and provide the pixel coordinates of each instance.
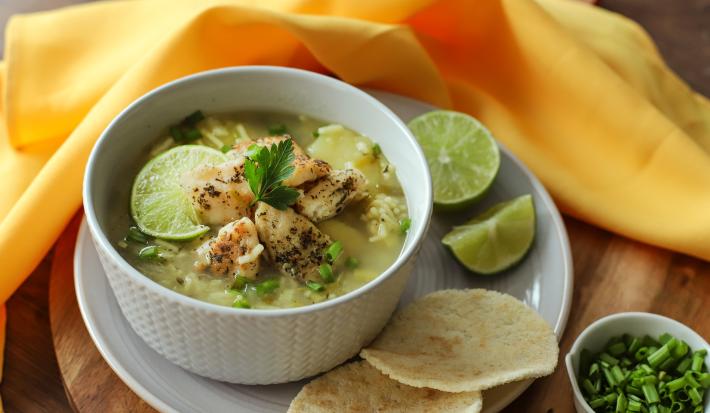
(612, 273)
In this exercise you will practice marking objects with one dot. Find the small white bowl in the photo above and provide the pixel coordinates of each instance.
(251, 346)
(595, 337)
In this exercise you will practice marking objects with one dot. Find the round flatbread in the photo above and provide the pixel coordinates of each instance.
(464, 340)
(359, 387)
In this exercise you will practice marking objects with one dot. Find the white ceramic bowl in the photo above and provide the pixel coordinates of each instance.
(595, 337)
(237, 345)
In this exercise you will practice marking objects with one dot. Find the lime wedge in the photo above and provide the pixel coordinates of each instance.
(462, 155)
(496, 239)
(159, 205)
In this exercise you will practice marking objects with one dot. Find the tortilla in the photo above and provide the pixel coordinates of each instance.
(359, 387)
(464, 340)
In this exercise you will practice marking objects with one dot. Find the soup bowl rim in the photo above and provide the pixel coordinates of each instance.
(417, 232)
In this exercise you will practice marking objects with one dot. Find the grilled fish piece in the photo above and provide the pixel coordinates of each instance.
(292, 242)
(329, 195)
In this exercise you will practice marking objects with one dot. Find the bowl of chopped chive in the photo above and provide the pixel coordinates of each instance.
(639, 362)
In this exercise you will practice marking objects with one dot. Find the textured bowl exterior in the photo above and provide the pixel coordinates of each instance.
(240, 348)
(238, 345)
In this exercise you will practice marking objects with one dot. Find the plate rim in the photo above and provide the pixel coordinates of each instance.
(155, 402)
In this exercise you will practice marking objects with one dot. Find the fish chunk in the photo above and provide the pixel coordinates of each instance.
(293, 243)
(219, 193)
(234, 251)
(305, 168)
(331, 194)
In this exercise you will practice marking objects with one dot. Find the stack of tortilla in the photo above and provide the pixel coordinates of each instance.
(437, 355)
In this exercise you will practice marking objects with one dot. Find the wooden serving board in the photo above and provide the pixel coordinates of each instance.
(612, 274)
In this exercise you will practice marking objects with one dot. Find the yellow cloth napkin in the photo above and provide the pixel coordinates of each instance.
(580, 94)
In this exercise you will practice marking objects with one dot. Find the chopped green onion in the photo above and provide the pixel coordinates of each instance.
(609, 359)
(149, 252)
(694, 394)
(333, 251)
(698, 358)
(617, 373)
(316, 134)
(266, 286)
(352, 263)
(278, 129)
(122, 244)
(683, 365)
(589, 387)
(194, 118)
(176, 133)
(621, 403)
(598, 402)
(326, 272)
(225, 148)
(241, 302)
(660, 355)
(191, 134)
(314, 286)
(675, 385)
(405, 224)
(633, 346)
(376, 150)
(240, 282)
(650, 393)
(135, 234)
(617, 349)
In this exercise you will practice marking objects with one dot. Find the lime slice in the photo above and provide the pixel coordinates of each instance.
(462, 155)
(159, 205)
(496, 239)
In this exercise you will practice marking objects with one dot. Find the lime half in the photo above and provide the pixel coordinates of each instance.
(159, 205)
(462, 155)
(496, 239)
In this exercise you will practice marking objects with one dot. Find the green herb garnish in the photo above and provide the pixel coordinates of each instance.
(150, 252)
(405, 224)
(266, 286)
(352, 263)
(241, 302)
(333, 251)
(186, 131)
(376, 150)
(136, 235)
(225, 148)
(326, 273)
(266, 168)
(278, 129)
(316, 134)
(240, 282)
(314, 286)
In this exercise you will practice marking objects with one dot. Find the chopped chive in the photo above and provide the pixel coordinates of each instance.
(621, 403)
(225, 148)
(617, 373)
(149, 252)
(326, 273)
(135, 234)
(405, 224)
(241, 302)
(633, 406)
(314, 286)
(597, 403)
(266, 286)
(278, 129)
(683, 365)
(191, 134)
(633, 346)
(675, 385)
(376, 150)
(704, 380)
(316, 134)
(690, 379)
(641, 353)
(352, 263)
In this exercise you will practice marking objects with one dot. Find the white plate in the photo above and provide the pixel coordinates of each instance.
(543, 281)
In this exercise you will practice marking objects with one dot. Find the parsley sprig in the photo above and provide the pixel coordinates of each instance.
(265, 170)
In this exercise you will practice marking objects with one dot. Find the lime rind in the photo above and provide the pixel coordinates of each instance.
(463, 157)
(159, 205)
(496, 239)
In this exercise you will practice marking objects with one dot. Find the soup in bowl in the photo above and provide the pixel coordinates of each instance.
(302, 264)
